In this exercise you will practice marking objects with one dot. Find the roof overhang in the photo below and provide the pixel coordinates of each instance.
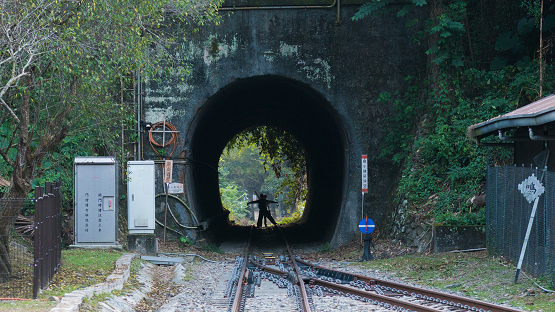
(534, 114)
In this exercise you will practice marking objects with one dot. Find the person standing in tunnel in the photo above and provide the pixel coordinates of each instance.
(264, 211)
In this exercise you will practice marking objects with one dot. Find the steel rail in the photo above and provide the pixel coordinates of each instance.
(426, 292)
(355, 291)
(268, 269)
(381, 298)
(304, 299)
(238, 295)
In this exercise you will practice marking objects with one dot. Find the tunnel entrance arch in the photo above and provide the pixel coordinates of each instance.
(278, 102)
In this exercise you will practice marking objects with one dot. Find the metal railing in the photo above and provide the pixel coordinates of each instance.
(48, 235)
(507, 217)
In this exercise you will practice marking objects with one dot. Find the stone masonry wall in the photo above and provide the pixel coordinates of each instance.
(349, 64)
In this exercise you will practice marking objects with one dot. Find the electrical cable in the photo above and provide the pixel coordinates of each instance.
(173, 140)
(542, 288)
(186, 206)
(170, 229)
(202, 163)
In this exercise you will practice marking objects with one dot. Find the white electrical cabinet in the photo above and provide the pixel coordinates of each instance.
(95, 201)
(140, 197)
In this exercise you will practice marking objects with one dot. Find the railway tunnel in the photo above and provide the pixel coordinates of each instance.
(283, 103)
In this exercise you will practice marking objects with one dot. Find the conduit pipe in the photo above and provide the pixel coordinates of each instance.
(531, 136)
(539, 137)
(502, 137)
(282, 7)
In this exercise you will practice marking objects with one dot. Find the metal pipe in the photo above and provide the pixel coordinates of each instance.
(139, 150)
(163, 131)
(277, 7)
(281, 7)
(468, 250)
(539, 137)
(135, 109)
(338, 21)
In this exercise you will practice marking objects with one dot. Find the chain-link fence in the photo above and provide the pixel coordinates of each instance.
(16, 252)
(508, 214)
(30, 247)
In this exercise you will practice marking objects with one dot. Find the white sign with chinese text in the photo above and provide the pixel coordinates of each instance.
(175, 188)
(364, 173)
(531, 188)
(168, 168)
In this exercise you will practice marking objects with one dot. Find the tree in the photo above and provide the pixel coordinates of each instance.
(245, 167)
(62, 68)
(234, 197)
(279, 149)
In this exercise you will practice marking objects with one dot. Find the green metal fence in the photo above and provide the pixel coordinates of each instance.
(508, 214)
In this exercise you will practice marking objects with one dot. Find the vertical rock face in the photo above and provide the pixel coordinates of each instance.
(298, 70)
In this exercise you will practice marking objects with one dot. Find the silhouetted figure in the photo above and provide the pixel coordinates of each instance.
(264, 212)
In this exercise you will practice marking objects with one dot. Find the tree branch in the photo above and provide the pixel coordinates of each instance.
(11, 82)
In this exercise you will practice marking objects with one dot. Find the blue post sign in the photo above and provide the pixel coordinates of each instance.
(366, 226)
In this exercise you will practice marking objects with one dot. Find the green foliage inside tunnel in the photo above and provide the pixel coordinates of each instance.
(263, 160)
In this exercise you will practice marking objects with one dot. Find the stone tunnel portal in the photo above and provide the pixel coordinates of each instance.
(283, 103)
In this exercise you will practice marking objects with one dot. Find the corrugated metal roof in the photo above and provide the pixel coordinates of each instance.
(534, 114)
(538, 107)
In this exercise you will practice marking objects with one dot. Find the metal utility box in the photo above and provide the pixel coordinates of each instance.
(140, 197)
(95, 201)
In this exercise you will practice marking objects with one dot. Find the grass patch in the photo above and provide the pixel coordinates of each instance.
(131, 284)
(471, 274)
(325, 248)
(209, 247)
(26, 306)
(294, 218)
(92, 304)
(189, 274)
(81, 268)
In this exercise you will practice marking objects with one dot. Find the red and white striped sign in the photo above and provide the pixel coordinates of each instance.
(364, 173)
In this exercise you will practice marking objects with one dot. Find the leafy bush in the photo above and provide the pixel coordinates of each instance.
(295, 217)
(441, 161)
(472, 79)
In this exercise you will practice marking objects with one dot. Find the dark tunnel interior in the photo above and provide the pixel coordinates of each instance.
(283, 103)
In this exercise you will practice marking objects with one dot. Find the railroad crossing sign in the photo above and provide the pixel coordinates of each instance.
(531, 188)
(366, 226)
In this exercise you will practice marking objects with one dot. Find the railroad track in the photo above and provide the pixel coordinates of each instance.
(269, 258)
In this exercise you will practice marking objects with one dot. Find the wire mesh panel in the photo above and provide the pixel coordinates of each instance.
(16, 252)
(508, 214)
(30, 247)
